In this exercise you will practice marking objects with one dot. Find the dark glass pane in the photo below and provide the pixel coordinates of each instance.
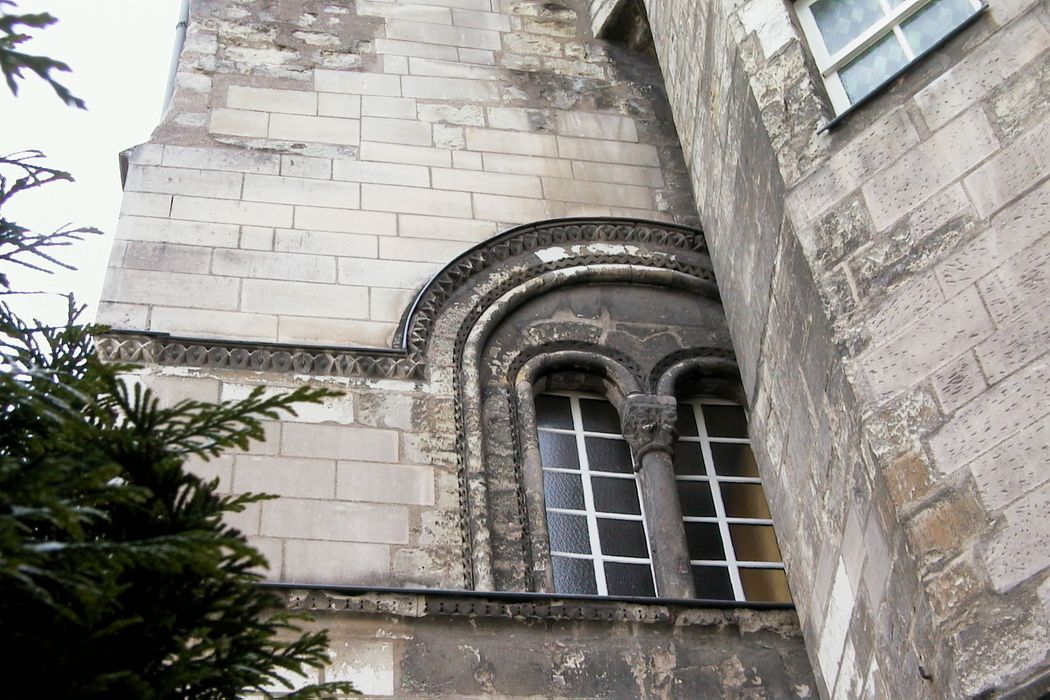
(563, 490)
(622, 538)
(734, 459)
(574, 575)
(767, 585)
(615, 495)
(607, 455)
(754, 543)
(744, 500)
(557, 450)
(695, 499)
(712, 582)
(553, 411)
(599, 416)
(629, 579)
(725, 421)
(688, 459)
(686, 420)
(568, 533)
(704, 541)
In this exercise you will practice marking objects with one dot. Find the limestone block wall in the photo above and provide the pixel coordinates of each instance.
(319, 163)
(322, 160)
(885, 287)
(367, 481)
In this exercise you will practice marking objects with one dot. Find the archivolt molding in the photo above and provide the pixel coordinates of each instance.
(711, 363)
(649, 237)
(459, 310)
(675, 249)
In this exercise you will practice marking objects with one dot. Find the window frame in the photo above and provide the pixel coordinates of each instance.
(715, 480)
(711, 475)
(597, 557)
(830, 64)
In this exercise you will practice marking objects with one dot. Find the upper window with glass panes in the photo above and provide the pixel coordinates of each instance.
(860, 45)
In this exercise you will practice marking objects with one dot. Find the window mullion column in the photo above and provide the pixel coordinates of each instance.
(649, 427)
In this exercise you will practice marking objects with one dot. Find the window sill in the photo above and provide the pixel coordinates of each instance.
(382, 599)
(904, 69)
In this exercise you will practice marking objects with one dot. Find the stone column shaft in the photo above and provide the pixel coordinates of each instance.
(649, 427)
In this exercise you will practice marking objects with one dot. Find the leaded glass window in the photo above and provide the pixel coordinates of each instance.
(598, 537)
(860, 44)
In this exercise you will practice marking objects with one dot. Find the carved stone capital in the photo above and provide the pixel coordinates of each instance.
(649, 424)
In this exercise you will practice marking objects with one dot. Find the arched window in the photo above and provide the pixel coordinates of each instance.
(595, 520)
(599, 535)
(733, 550)
(578, 493)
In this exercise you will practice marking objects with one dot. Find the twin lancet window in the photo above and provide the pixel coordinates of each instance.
(599, 531)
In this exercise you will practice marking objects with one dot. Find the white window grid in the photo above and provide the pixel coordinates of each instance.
(829, 64)
(596, 557)
(715, 481)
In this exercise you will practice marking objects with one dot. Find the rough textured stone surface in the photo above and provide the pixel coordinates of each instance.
(888, 252)
(439, 646)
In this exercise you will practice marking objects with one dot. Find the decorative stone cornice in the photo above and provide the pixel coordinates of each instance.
(649, 424)
(142, 348)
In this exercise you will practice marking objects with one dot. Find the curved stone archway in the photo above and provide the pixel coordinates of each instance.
(609, 304)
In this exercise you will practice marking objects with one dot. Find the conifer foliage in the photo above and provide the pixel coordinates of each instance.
(118, 577)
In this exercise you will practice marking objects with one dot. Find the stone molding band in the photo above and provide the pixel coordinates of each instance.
(422, 604)
(161, 349)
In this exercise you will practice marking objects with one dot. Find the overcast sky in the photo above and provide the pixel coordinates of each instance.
(119, 51)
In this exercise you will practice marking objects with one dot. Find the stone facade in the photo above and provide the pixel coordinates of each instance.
(866, 272)
(359, 193)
